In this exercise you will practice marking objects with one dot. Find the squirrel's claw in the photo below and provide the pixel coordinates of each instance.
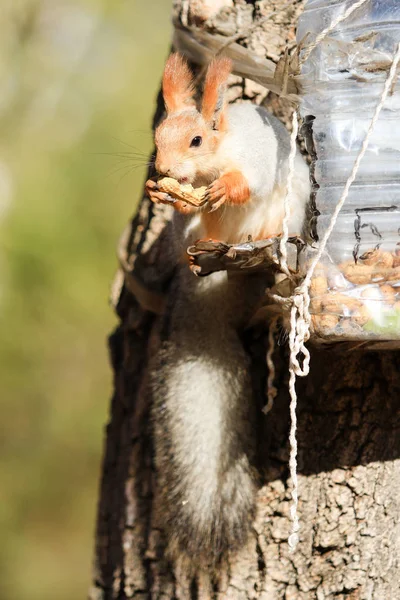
(161, 197)
(216, 194)
(216, 205)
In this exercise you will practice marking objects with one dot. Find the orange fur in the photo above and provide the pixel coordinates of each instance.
(184, 208)
(173, 137)
(213, 104)
(177, 84)
(236, 190)
(236, 187)
(212, 226)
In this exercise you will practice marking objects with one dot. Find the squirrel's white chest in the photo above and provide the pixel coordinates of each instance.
(257, 147)
(260, 218)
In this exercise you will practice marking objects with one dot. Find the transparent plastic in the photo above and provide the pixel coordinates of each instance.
(355, 293)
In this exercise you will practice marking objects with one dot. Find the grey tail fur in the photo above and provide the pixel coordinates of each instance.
(203, 417)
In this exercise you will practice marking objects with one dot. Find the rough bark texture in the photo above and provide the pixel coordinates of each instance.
(348, 434)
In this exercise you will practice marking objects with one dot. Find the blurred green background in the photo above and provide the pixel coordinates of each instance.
(78, 80)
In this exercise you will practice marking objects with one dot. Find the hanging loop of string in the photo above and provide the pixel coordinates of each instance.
(289, 186)
(271, 390)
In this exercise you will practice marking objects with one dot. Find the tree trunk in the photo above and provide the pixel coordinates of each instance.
(348, 430)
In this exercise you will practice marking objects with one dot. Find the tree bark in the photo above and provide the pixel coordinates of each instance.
(348, 428)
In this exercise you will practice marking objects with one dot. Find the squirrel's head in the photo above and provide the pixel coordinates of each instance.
(187, 139)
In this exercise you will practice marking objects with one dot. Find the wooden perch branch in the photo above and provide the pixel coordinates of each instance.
(209, 256)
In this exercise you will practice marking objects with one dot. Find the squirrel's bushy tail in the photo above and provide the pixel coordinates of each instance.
(203, 427)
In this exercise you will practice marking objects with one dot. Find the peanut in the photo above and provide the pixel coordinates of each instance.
(348, 327)
(396, 260)
(361, 315)
(321, 323)
(319, 285)
(378, 258)
(187, 192)
(388, 293)
(358, 274)
(339, 303)
(377, 270)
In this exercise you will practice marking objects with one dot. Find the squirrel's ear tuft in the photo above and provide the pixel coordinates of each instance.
(213, 104)
(177, 84)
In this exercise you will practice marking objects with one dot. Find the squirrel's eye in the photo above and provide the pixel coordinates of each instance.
(196, 141)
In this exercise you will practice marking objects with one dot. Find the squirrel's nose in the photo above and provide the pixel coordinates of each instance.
(163, 169)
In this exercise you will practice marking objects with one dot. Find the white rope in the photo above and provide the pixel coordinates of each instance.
(271, 389)
(285, 301)
(300, 315)
(185, 12)
(285, 227)
(293, 537)
(325, 32)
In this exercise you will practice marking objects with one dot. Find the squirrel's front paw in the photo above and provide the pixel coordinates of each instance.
(232, 187)
(216, 194)
(158, 197)
(153, 192)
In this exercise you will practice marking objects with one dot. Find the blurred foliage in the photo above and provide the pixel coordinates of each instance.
(78, 80)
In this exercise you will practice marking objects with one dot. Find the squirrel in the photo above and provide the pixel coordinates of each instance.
(203, 409)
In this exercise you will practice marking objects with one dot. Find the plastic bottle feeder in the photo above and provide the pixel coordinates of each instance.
(355, 291)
